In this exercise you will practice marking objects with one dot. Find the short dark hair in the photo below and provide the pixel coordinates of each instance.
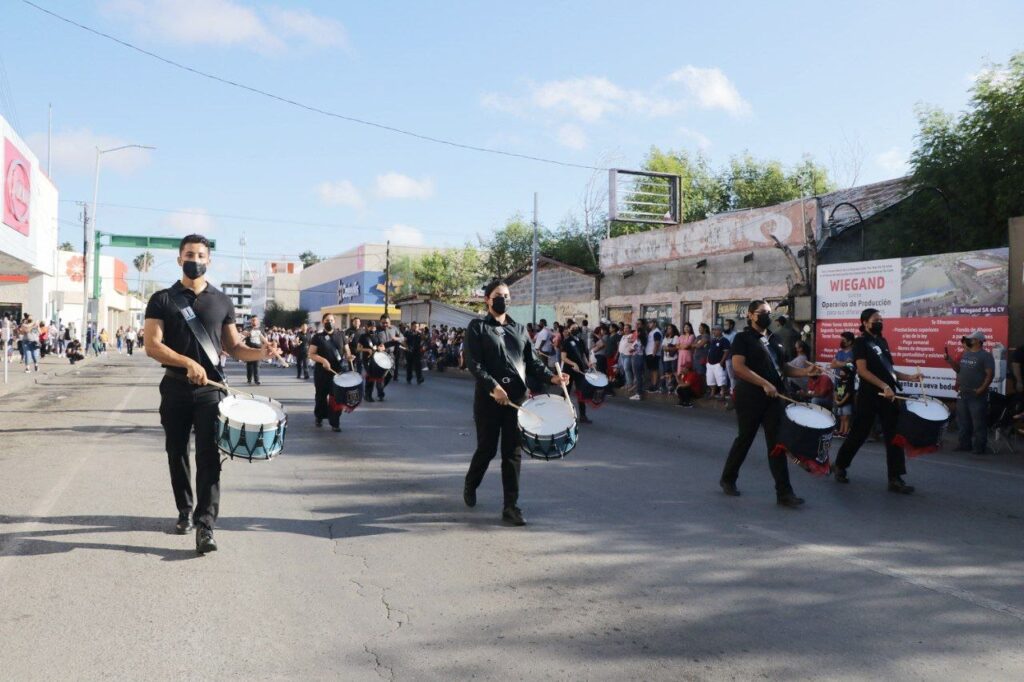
(848, 336)
(193, 239)
(755, 304)
(325, 316)
(782, 319)
(865, 315)
(492, 285)
(385, 317)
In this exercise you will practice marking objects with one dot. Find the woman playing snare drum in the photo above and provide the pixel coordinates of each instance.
(876, 397)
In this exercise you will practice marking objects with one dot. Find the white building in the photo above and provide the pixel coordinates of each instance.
(240, 294)
(278, 283)
(28, 230)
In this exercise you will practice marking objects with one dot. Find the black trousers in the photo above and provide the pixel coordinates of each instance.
(753, 412)
(414, 363)
(252, 372)
(322, 382)
(301, 366)
(576, 382)
(130, 345)
(496, 423)
(185, 407)
(866, 408)
(685, 394)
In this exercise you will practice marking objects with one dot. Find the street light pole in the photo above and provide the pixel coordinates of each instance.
(90, 245)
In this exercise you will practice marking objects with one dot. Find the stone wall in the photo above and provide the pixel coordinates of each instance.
(554, 285)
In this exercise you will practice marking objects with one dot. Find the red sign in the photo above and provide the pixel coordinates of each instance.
(120, 276)
(76, 268)
(17, 188)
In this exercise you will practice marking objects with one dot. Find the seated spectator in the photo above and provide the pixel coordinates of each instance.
(690, 386)
(820, 387)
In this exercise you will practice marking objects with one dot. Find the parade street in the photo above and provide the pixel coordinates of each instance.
(353, 557)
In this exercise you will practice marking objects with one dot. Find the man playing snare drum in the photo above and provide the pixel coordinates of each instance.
(186, 399)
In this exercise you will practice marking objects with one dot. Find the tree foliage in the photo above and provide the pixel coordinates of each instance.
(975, 160)
(143, 262)
(309, 258)
(511, 248)
(65, 246)
(276, 316)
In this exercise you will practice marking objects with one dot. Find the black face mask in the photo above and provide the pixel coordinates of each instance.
(193, 270)
(763, 320)
(328, 327)
(876, 328)
(499, 305)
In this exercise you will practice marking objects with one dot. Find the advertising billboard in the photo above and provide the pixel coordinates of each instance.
(928, 303)
(17, 188)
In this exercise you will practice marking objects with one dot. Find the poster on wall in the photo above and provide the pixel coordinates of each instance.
(928, 304)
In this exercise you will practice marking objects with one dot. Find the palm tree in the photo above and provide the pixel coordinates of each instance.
(143, 262)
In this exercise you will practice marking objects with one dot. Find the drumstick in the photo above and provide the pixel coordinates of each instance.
(788, 399)
(565, 391)
(523, 410)
(225, 387)
(909, 399)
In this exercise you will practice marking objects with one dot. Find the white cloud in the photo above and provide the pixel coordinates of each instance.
(397, 186)
(893, 162)
(571, 136)
(711, 89)
(698, 138)
(592, 98)
(226, 23)
(190, 221)
(73, 152)
(406, 235)
(340, 193)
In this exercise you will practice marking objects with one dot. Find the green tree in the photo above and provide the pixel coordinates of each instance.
(276, 316)
(975, 160)
(309, 258)
(754, 183)
(508, 248)
(65, 246)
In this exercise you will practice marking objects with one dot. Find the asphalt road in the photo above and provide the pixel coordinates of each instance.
(353, 557)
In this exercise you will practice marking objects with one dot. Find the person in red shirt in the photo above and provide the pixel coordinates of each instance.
(690, 386)
(820, 387)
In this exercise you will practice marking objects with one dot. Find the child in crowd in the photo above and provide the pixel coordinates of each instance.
(843, 399)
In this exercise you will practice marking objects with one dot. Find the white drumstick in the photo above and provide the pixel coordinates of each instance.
(524, 411)
(565, 391)
(225, 387)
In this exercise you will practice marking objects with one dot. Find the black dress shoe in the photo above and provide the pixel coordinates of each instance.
(319, 423)
(513, 516)
(336, 429)
(789, 500)
(204, 541)
(184, 524)
(841, 476)
(369, 399)
(729, 488)
(469, 496)
(896, 485)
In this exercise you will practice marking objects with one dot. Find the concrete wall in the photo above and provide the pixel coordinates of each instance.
(554, 285)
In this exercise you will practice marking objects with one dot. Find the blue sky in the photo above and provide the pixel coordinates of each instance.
(592, 83)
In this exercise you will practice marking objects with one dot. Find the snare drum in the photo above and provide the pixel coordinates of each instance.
(346, 391)
(805, 434)
(251, 427)
(379, 367)
(547, 427)
(920, 426)
(591, 387)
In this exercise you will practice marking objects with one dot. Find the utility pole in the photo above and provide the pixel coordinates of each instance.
(387, 276)
(533, 282)
(85, 274)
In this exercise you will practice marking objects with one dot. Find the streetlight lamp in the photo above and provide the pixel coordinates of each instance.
(89, 245)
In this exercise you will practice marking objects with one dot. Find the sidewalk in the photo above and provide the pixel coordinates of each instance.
(50, 366)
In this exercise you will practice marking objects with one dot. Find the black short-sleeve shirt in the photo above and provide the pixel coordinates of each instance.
(327, 347)
(211, 306)
(414, 342)
(575, 351)
(874, 350)
(755, 348)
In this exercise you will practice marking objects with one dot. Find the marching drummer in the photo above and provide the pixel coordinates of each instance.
(368, 345)
(758, 363)
(876, 397)
(327, 361)
(187, 326)
(574, 356)
(499, 354)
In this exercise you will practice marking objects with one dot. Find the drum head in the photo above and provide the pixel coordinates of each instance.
(596, 379)
(811, 416)
(348, 379)
(251, 412)
(929, 409)
(546, 415)
(383, 360)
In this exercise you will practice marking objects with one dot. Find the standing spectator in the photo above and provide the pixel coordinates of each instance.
(64, 339)
(690, 386)
(599, 348)
(718, 353)
(652, 354)
(843, 397)
(44, 339)
(685, 344)
(557, 338)
(700, 349)
(611, 343)
(974, 372)
(787, 336)
(104, 339)
(669, 358)
(625, 355)
(638, 359)
(301, 351)
(844, 356)
(119, 339)
(29, 331)
(542, 342)
(253, 339)
(130, 337)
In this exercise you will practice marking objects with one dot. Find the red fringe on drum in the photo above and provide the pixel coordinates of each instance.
(912, 451)
(337, 407)
(810, 465)
(589, 401)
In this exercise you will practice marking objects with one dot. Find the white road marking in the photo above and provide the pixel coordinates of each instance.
(848, 556)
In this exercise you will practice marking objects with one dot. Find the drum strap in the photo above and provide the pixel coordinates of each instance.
(333, 350)
(199, 332)
(875, 348)
(766, 343)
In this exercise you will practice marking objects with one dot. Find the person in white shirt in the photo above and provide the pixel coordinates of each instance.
(542, 343)
(130, 337)
(254, 339)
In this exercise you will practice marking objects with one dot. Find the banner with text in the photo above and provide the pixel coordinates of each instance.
(928, 303)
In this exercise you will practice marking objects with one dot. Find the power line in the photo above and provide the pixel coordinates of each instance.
(307, 107)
